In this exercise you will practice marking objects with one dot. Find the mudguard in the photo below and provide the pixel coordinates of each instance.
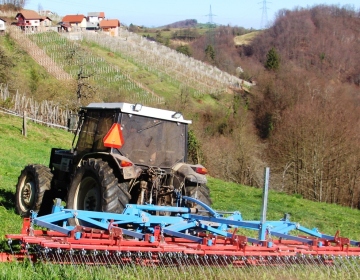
(187, 171)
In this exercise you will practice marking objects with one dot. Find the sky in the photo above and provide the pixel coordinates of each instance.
(155, 13)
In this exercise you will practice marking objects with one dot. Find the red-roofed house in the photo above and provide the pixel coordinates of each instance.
(75, 21)
(28, 19)
(111, 26)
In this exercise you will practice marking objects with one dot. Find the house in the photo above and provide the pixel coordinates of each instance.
(77, 22)
(2, 26)
(28, 19)
(111, 26)
(45, 21)
(93, 20)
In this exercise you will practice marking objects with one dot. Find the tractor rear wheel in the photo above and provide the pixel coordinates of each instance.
(95, 188)
(33, 181)
(200, 192)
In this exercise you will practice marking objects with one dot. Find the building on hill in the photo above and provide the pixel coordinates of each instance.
(110, 26)
(74, 22)
(2, 26)
(93, 20)
(45, 22)
(28, 20)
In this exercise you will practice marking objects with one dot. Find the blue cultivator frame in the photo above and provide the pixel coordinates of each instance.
(184, 223)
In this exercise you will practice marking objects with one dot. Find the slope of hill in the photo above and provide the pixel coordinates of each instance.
(182, 24)
(18, 151)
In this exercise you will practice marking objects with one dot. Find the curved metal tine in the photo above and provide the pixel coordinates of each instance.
(220, 271)
(356, 263)
(143, 264)
(178, 256)
(205, 260)
(124, 267)
(153, 267)
(133, 265)
(200, 267)
(27, 247)
(288, 265)
(71, 253)
(162, 265)
(325, 266)
(171, 265)
(189, 267)
(48, 262)
(352, 267)
(225, 266)
(343, 265)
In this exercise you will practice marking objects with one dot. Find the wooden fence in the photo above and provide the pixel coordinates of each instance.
(45, 112)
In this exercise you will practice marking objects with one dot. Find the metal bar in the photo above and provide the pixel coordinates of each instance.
(53, 227)
(205, 206)
(262, 230)
(133, 233)
(163, 208)
(183, 235)
(249, 225)
(309, 231)
(284, 230)
(182, 226)
(332, 238)
(291, 237)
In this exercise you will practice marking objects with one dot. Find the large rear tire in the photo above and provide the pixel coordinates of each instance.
(95, 188)
(200, 192)
(33, 182)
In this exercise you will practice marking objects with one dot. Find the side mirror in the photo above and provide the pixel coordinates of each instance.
(72, 121)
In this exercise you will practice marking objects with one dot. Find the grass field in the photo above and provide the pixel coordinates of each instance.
(246, 38)
(17, 151)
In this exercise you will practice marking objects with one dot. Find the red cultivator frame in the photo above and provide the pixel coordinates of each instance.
(140, 237)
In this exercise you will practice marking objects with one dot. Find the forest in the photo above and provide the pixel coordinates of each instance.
(302, 118)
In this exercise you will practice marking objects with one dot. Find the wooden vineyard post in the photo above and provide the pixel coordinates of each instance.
(24, 132)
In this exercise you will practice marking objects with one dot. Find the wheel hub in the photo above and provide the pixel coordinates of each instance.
(91, 201)
(27, 194)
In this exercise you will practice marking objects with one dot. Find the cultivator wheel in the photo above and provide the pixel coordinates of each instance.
(33, 182)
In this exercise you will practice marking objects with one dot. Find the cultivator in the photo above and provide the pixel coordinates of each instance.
(179, 238)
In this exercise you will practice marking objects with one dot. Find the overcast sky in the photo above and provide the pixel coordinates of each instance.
(161, 12)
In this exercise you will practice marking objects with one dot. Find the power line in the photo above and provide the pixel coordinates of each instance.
(264, 17)
(210, 15)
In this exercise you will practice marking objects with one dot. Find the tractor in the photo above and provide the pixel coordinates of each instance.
(121, 154)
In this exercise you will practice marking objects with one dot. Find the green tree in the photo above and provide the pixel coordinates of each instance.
(184, 49)
(210, 53)
(159, 38)
(272, 60)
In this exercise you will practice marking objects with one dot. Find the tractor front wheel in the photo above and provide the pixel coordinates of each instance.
(95, 188)
(33, 181)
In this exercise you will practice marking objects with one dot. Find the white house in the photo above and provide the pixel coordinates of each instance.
(93, 20)
(2, 25)
(28, 19)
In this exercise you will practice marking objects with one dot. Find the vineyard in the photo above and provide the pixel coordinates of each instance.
(67, 57)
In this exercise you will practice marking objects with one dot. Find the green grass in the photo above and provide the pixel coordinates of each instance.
(16, 152)
(328, 218)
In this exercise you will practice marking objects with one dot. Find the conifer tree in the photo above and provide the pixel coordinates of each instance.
(273, 60)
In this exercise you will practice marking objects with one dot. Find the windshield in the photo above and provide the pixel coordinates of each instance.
(152, 142)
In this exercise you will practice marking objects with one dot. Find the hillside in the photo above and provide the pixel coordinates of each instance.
(182, 24)
(18, 151)
(301, 119)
